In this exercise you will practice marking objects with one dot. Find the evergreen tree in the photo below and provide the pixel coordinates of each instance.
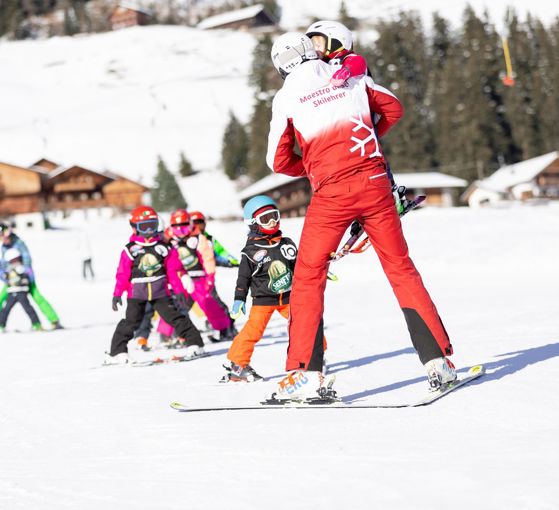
(235, 148)
(259, 129)
(401, 64)
(10, 17)
(272, 7)
(185, 167)
(347, 20)
(166, 194)
(263, 75)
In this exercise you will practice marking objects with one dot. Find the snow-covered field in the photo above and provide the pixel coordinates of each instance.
(82, 438)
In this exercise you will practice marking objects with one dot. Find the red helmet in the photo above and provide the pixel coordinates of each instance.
(180, 223)
(144, 221)
(197, 216)
(180, 217)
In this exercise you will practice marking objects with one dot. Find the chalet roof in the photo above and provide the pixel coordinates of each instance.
(132, 7)
(511, 175)
(266, 184)
(426, 180)
(232, 16)
(44, 165)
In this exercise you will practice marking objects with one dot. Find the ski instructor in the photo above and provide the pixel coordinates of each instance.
(343, 160)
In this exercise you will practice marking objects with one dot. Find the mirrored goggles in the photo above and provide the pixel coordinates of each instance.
(181, 229)
(265, 218)
(147, 227)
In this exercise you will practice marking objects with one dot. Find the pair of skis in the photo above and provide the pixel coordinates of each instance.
(472, 374)
(349, 245)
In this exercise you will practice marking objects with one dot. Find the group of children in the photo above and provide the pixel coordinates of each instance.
(170, 270)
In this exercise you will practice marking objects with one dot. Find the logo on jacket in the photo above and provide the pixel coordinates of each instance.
(149, 264)
(188, 259)
(289, 251)
(161, 249)
(259, 255)
(361, 142)
(280, 277)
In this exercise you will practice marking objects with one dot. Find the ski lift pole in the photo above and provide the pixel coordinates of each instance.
(508, 80)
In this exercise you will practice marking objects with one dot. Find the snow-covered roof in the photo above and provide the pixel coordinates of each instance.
(231, 16)
(267, 183)
(511, 175)
(429, 180)
(130, 5)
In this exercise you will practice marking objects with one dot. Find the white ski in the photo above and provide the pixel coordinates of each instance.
(472, 374)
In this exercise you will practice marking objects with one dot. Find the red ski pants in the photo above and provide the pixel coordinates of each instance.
(368, 198)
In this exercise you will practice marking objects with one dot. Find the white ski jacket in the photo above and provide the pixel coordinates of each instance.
(333, 126)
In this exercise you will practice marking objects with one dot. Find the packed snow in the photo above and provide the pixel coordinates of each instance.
(78, 436)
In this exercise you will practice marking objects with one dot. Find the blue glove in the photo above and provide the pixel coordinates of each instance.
(239, 308)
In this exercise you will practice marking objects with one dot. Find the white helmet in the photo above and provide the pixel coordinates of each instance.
(291, 49)
(338, 37)
(11, 254)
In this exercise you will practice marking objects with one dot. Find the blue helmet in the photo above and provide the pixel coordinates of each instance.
(254, 204)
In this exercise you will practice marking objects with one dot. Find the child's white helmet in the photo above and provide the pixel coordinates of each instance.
(290, 50)
(338, 37)
(12, 254)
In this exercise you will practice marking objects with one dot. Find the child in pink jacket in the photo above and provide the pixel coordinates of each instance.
(148, 265)
(198, 267)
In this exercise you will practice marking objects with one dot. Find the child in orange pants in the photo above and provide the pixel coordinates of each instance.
(266, 268)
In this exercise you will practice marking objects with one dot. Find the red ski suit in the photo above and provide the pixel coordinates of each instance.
(343, 160)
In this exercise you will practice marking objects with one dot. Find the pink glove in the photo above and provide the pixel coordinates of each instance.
(340, 77)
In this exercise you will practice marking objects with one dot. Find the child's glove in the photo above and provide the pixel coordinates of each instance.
(117, 300)
(400, 199)
(340, 77)
(355, 228)
(239, 308)
(180, 299)
(187, 283)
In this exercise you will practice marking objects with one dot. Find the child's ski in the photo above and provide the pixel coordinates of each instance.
(472, 374)
(156, 361)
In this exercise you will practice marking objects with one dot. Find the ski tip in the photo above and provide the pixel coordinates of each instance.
(476, 370)
(176, 405)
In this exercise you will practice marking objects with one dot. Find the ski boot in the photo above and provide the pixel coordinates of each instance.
(37, 327)
(303, 387)
(57, 325)
(117, 359)
(238, 373)
(194, 351)
(142, 343)
(440, 373)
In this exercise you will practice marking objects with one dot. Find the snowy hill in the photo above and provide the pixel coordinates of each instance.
(89, 439)
(119, 99)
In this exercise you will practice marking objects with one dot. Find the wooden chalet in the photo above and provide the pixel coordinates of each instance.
(47, 186)
(255, 17)
(535, 178)
(124, 16)
(20, 190)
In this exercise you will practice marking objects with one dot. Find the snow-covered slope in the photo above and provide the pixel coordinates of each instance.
(73, 437)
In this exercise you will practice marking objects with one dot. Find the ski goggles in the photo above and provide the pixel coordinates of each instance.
(264, 219)
(181, 229)
(147, 227)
